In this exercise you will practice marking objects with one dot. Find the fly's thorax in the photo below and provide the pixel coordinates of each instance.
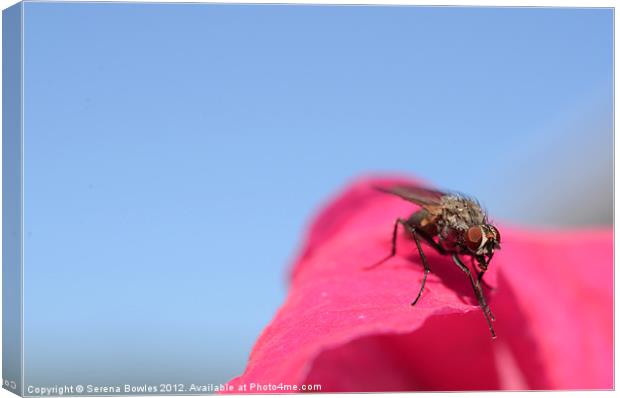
(461, 213)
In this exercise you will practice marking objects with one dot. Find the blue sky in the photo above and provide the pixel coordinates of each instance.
(174, 154)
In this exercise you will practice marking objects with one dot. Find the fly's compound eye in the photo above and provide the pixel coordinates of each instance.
(475, 239)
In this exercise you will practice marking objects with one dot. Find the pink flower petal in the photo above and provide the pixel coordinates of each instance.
(351, 329)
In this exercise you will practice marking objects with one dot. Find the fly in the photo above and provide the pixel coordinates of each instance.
(453, 225)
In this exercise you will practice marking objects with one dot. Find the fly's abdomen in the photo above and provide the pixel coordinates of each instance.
(425, 222)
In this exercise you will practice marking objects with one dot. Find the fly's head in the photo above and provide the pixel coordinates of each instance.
(481, 241)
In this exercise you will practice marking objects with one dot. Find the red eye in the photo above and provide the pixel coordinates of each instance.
(473, 238)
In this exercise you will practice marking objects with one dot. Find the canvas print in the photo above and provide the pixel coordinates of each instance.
(289, 198)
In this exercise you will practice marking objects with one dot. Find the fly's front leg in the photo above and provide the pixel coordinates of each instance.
(483, 265)
(394, 238)
(480, 274)
(478, 290)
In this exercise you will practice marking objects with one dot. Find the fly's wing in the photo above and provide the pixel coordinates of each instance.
(426, 197)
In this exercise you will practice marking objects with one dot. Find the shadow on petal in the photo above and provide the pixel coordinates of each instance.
(448, 353)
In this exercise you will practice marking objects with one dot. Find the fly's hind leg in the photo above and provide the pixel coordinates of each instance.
(416, 238)
(394, 238)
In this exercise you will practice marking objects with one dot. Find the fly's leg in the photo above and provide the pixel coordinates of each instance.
(477, 290)
(482, 265)
(394, 238)
(393, 252)
(441, 250)
(427, 269)
(432, 243)
(480, 274)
